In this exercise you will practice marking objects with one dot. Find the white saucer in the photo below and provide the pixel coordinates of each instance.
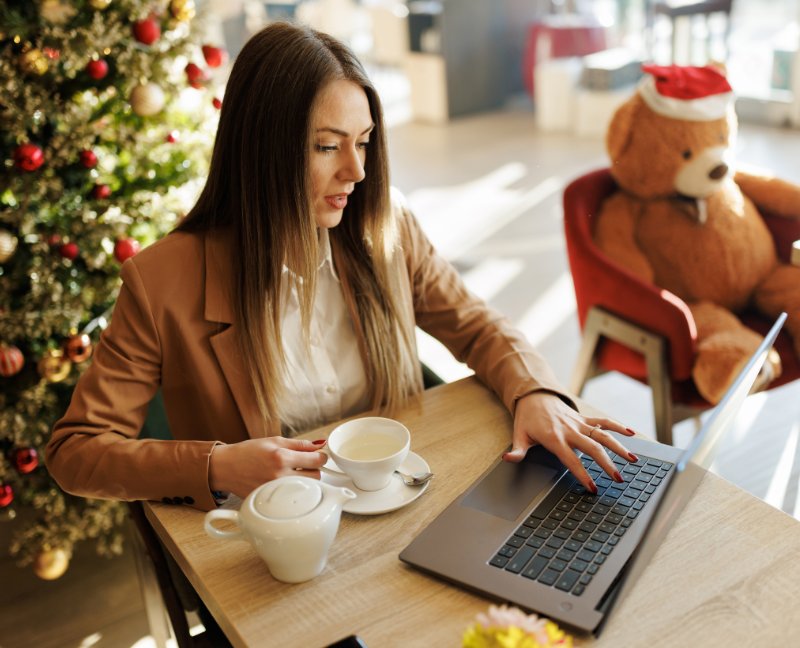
(394, 496)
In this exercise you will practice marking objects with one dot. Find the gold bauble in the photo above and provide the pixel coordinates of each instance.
(147, 100)
(34, 61)
(182, 9)
(99, 4)
(8, 245)
(50, 564)
(54, 367)
(57, 12)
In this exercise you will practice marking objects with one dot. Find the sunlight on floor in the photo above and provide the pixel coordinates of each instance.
(550, 311)
(91, 640)
(457, 219)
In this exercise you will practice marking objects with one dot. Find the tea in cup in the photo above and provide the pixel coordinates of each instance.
(369, 450)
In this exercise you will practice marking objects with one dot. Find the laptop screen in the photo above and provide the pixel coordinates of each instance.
(691, 469)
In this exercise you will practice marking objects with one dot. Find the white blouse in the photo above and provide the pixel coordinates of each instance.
(330, 384)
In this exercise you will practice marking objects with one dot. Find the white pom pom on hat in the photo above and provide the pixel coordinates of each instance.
(687, 93)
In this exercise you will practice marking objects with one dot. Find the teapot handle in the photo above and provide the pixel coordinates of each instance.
(224, 515)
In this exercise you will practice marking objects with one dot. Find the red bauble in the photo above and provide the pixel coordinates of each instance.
(6, 495)
(214, 56)
(146, 31)
(28, 157)
(195, 73)
(125, 249)
(97, 69)
(88, 159)
(11, 360)
(101, 191)
(173, 137)
(53, 239)
(69, 251)
(24, 459)
(217, 103)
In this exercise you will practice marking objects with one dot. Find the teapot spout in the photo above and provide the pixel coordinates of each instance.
(338, 495)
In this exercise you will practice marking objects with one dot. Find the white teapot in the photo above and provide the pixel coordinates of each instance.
(290, 522)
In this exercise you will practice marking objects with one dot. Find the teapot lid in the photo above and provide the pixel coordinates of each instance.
(288, 497)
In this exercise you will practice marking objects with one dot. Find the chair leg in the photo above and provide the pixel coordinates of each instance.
(652, 346)
(160, 628)
(585, 365)
(174, 607)
(661, 385)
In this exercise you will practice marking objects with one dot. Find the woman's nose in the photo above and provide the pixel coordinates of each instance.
(353, 169)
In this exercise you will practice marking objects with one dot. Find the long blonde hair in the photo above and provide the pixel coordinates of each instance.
(259, 187)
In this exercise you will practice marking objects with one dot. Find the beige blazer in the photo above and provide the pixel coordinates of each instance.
(174, 327)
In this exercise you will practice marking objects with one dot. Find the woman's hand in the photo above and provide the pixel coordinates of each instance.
(242, 467)
(542, 417)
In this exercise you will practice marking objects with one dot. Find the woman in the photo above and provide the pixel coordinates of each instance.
(295, 222)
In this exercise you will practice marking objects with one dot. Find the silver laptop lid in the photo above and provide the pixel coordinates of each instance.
(691, 469)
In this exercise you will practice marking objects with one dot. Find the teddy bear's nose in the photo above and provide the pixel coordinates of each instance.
(718, 171)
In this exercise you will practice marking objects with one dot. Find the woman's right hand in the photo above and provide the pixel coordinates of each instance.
(240, 468)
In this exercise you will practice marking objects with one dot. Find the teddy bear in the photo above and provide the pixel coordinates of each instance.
(683, 219)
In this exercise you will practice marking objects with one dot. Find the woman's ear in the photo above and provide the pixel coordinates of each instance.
(620, 130)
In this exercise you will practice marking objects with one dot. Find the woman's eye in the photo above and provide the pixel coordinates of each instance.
(687, 155)
(363, 145)
(322, 148)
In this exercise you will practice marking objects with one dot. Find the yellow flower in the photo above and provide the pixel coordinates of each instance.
(505, 627)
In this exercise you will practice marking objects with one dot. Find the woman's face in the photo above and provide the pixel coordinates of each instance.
(342, 125)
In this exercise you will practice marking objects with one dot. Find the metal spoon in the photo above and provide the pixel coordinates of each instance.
(417, 479)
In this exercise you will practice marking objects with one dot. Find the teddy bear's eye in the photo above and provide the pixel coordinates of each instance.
(687, 155)
(721, 137)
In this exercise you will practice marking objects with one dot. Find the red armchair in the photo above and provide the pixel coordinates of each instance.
(638, 329)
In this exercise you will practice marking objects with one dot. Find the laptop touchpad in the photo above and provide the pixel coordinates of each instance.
(509, 488)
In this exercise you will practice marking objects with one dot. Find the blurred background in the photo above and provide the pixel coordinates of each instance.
(493, 107)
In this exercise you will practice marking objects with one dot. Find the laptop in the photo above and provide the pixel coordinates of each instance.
(531, 535)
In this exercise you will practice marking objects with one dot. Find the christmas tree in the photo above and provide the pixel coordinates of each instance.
(106, 128)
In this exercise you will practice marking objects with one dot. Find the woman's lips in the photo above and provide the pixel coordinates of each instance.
(337, 202)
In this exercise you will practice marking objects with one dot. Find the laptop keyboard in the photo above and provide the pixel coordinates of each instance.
(568, 536)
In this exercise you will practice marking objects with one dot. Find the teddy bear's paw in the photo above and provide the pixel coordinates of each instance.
(716, 369)
(771, 370)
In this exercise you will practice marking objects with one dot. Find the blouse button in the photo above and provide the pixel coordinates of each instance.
(314, 341)
(331, 389)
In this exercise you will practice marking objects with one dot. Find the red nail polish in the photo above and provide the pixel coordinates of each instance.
(618, 477)
(320, 442)
(631, 431)
(593, 487)
(633, 457)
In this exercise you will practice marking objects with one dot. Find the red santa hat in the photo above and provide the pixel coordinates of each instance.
(688, 93)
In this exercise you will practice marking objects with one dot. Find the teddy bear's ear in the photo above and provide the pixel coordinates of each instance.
(720, 65)
(620, 131)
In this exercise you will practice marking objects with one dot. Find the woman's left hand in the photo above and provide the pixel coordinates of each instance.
(543, 418)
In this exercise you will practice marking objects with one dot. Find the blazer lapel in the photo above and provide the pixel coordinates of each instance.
(218, 308)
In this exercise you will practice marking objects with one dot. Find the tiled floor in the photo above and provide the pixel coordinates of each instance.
(488, 191)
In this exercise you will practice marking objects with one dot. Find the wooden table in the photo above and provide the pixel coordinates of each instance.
(727, 574)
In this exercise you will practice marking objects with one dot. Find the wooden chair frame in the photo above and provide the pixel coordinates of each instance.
(654, 347)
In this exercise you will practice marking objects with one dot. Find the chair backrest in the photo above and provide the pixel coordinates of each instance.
(784, 233)
(600, 281)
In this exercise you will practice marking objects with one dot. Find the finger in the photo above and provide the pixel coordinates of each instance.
(299, 445)
(604, 438)
(609, 424)
(593, 448)
(574, 465)
(520, 445)
(308, 460)
(314, 474)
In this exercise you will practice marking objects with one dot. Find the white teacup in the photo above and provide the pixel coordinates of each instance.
(369, 450)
